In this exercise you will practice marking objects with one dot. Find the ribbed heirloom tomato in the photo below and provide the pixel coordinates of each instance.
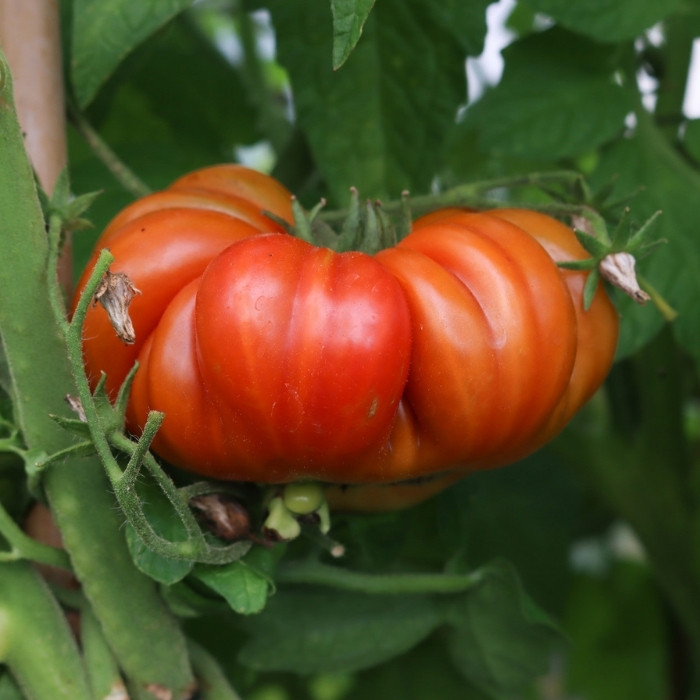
(463, 347)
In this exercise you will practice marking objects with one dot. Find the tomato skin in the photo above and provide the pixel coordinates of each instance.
(262, 191)
(594, 331)
(160, 252)
(596, 328)
(490, 360)
(231, 205)
(322, 342)
(301, 353)
(463, 347)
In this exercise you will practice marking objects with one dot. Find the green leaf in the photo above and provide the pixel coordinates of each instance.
(245, 584)
(349, 17)
(9, 690)
(526, 513)
(499, 639)
(605, 20)
(691, 139)
(423, 673)
(617, 622)
(385, 115)
(105, 31)
(310, 630)
(556, 99)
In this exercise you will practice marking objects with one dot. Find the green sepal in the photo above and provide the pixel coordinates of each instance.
(639, 240)
(309, 227)
(590, 287)
(404, 223)
(350, 231)
(302, 222)
(621, 233)
(281, 521)
(592, 245)
(387, 230)
(120, 403)
(113, 415)
(585, 264)
(108, 418)
(371, 238)
(73, 425)
(66, 206)
(323, 235)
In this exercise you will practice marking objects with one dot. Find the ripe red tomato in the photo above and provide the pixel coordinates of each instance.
(559, 366)
(296, 357)
(464, 347)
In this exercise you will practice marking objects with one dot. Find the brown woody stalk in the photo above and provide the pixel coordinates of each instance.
(30, 37)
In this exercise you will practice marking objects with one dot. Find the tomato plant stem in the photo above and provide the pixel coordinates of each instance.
(30, 35)
(473, 194)
(77, 489)
(102, 668)
(126, 177)
(25, 547)
(123, 482)
(35, 640)
(313, 572)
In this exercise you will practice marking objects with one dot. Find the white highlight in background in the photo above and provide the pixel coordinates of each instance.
(691, 103)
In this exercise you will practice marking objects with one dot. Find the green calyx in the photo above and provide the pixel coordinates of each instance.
(364, 227)
(613, 258)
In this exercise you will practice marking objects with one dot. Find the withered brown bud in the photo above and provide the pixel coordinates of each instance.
(224, 516)
(115, 293)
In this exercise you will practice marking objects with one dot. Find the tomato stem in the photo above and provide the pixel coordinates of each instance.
(22, 546)
(126, 177)
(316, 573)
(472, 194)
(35, 640)
(195, 547)
(101, 666)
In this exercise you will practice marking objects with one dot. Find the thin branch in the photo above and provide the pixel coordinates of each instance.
(126, 177)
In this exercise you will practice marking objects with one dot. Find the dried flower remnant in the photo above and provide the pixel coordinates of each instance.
(618, 269)
(115, 293)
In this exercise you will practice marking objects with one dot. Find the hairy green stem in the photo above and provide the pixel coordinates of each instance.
(472, 194)
(35, 641)
(153, 651)
(102, 668)
(313, 572)
(25, 547)
(195, 547)
(179, 503)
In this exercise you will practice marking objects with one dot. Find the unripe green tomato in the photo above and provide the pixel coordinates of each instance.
(303, 498)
